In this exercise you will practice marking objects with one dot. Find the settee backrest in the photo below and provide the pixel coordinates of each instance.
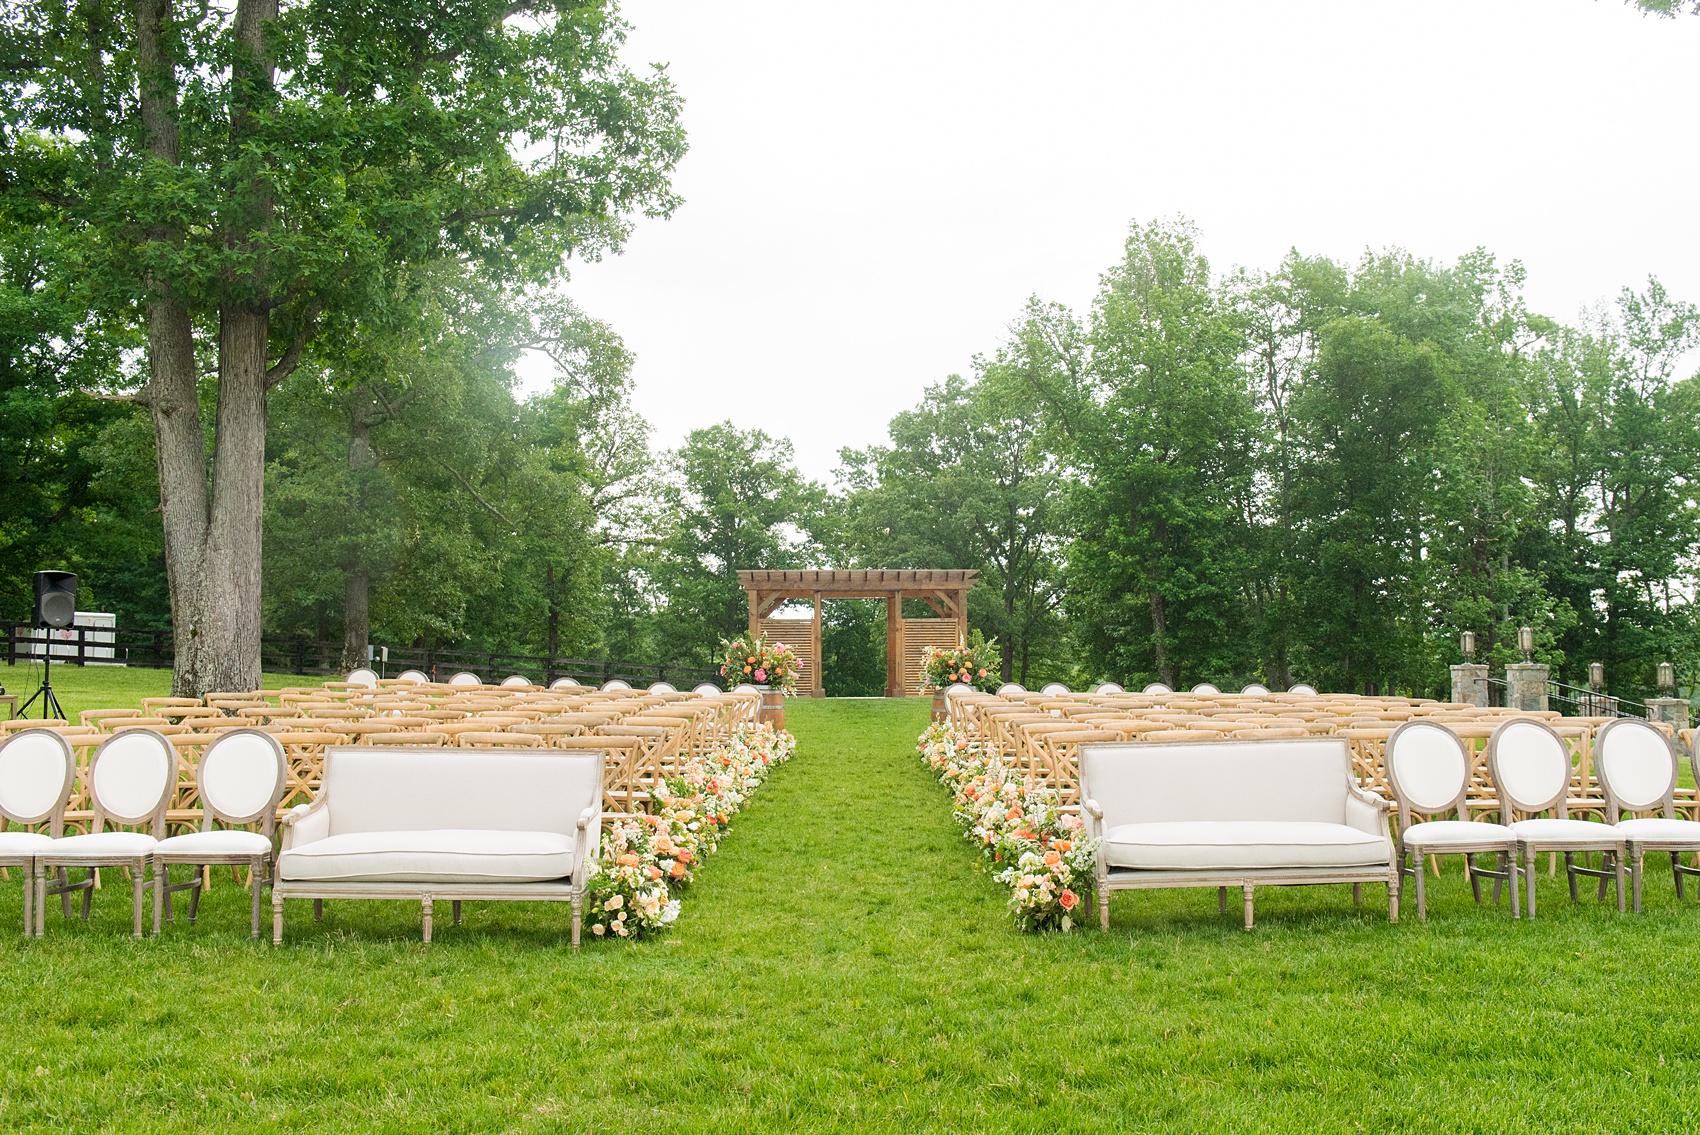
(400, 789)
(1303, 779)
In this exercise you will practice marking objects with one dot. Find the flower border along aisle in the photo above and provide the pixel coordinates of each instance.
(648, 860)
(1032, 845)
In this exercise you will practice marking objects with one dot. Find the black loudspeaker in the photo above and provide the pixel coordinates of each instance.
(55, 598)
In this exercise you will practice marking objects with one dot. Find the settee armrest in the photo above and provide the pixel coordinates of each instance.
(307, 823)
(1366, 811)
(1094, 813)
(589, 843)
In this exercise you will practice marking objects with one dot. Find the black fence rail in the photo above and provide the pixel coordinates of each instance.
(1573, 701)
(98, 646)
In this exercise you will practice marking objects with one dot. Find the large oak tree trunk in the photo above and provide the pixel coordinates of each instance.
(1160, 639)
(211, 519)
(357, 578)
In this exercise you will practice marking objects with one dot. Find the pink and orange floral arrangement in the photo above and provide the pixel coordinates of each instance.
(1032, 845)
(752, 659)
(648, 861)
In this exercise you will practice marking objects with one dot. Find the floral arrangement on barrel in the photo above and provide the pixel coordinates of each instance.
(1031, 844)
(970, 665)
(751, 658)
(648, 860)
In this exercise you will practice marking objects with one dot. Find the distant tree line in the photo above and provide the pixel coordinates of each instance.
(1323, 472)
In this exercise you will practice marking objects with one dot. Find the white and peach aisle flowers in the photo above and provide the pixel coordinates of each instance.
(648, 860)
(1034, 846)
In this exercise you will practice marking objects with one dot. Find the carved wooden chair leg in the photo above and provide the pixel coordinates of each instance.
(1617, 862)
(1357, 894)
(456, 907)
(138, 884)
(1529, 881)
(426, 904)
(277, 919)
(1248, 914)
(578, 915)
(1422, 893)
(1676, 871)
(318, 909)
(256, 880)
(1221, 900)
(1637, 861)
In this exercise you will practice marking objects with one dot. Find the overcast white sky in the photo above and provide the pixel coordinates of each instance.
(874, 189)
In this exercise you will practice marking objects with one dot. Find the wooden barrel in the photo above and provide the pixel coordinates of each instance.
(773, 707)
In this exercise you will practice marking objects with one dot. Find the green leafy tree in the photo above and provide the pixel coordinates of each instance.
(968, 482)
(735, 501)
(245, 181)
(1163, 432)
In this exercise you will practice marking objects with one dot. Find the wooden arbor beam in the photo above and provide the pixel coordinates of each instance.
(944, 590)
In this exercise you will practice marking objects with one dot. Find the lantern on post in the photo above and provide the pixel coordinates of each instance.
(1667, 678)
(1526, 642)
(1596, 676)
(1468, 645)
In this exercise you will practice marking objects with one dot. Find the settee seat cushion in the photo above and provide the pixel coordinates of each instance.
(436, 856)
(1247, 844)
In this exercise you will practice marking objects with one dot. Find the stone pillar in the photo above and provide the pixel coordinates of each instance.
(1526, 686)
(1469, 684)
(1671, 711)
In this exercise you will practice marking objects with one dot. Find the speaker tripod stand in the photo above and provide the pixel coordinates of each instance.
(50, 707)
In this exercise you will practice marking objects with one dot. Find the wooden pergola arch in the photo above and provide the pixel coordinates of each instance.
(945, 591)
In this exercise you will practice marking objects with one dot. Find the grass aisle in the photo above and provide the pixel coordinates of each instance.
(843, 965)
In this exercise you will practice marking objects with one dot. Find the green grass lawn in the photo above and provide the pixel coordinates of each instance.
(843, 964)
(106, 687)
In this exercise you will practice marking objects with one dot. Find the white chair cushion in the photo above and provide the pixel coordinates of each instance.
(24, 843)
(1204, 844)
(215, 843)
(448, 856)
(1574, 832)
(1447, 833)
(1660, 830)
(102, 845)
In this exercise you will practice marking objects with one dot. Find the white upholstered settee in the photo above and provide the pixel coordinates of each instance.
(455, 824)
(1233, 813)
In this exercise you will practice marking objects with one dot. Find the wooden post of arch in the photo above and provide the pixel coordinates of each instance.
(945, 591)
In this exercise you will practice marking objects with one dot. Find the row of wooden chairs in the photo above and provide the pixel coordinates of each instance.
(1040, 733)
(645, 732)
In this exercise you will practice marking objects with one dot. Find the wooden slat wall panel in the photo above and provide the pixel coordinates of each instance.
(799, 635)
